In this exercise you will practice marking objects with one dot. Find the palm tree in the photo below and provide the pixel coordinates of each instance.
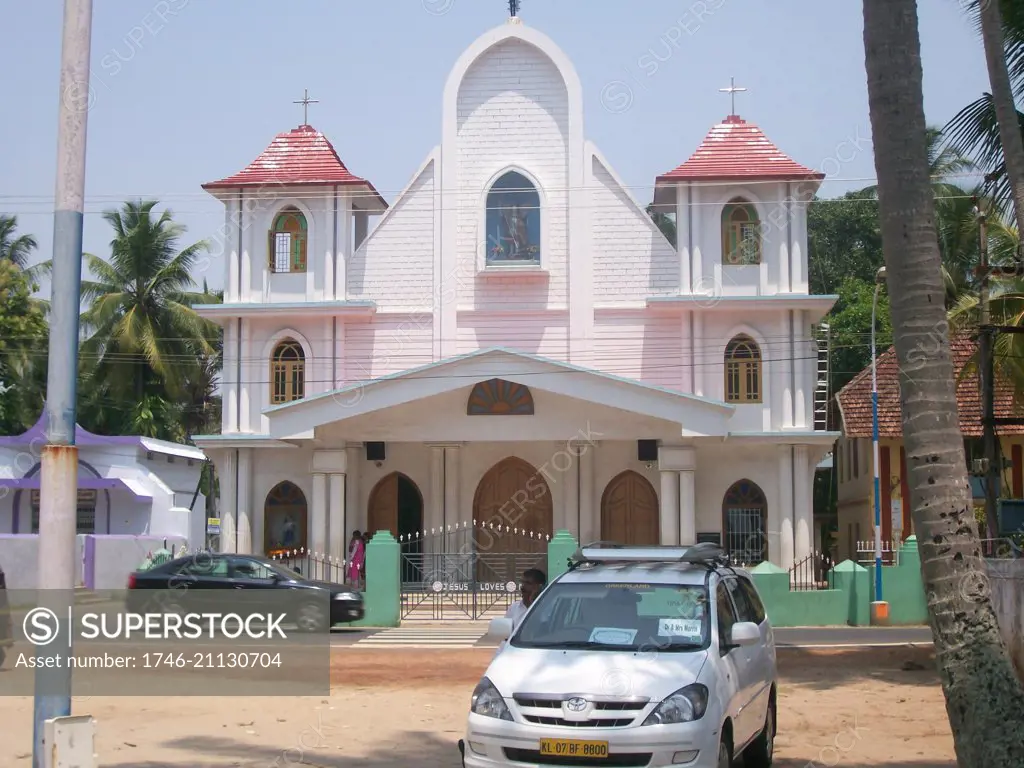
(143, 338)
(976, 130)
(977, 677)
(1002, 102)
(16, 249)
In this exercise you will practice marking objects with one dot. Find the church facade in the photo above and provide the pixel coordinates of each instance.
(516, 343)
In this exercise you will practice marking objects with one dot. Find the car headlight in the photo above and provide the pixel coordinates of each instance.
(346, 596)
(488, 702)
(684, 706)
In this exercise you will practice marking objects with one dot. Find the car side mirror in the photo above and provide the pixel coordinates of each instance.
(745, 633)
(500, 628)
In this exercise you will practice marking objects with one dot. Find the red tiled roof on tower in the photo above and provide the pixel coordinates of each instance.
(735, 150)
(855, 398)
(300, 156)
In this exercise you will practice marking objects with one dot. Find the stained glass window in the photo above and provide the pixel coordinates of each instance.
(513, 220)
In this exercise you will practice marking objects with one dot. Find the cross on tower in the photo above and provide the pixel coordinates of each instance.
(732, 90)
(305, 102)
(513, 8)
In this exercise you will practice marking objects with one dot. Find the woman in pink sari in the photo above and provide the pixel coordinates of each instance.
(356, 556)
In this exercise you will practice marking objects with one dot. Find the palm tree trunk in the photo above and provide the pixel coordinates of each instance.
(1002, 98)
(978, 681)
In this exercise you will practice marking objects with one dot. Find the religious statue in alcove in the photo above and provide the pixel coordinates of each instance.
(515, 236)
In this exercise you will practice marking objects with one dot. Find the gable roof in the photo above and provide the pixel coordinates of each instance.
(855, 398)
(300, 156)
(735, 150)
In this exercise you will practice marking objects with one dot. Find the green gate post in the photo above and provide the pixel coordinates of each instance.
(854, 581)
(382, 598)
(561, 547)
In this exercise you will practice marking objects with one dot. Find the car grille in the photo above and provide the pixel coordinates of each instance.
(634, 760)
(605, 714)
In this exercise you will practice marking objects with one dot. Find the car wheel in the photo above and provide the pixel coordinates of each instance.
(724, 754)
(761, 751)
(311, 618)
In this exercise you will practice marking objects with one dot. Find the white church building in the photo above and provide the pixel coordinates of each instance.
(515, 341)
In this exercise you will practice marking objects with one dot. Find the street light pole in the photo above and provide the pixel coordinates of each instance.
(879, 280)
(58, 489)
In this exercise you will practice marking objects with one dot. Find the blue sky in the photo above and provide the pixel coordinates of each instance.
(188, 91)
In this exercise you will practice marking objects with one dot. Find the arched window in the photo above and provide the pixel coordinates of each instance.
(513, 220)
(284, 519)
(497, 397)
(741, 233)
(288, 242)
(287, 373)
(742, 370)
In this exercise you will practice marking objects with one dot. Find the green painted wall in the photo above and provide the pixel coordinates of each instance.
(382, 598)
(903, 588)
(561, 547)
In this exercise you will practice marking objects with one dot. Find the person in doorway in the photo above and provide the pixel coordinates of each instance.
(532, 585)
(356, 557)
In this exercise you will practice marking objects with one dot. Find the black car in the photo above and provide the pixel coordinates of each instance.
(6, 637)
(194, 574)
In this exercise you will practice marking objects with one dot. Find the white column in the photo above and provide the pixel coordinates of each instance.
(803, 516)
(248, 383)
(687, 508)
(669, 506)
(683, 238)
(784, 557)
(785, 377)
(317, 538)
(696, 255)
(435, 506)
(586, 525)
(571, 492)
(227, 470)
(355, 513)
(804, 375)
(337, 524)
(232, 225)
(229, 378)
(244, 518)
(343, 255)
(452, 512)
(701, 354)
(686, 354)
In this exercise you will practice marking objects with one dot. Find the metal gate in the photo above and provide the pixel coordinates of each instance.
(468, 571)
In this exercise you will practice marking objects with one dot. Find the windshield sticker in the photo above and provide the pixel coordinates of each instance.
(628, 586)
(612, 636)
(680, 628)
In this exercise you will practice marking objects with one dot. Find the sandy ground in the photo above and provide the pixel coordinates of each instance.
(397, 709)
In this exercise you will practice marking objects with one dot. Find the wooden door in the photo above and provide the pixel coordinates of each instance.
(630, 511)
(515, 495)
(383, 512)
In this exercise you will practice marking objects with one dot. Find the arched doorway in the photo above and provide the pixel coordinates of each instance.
(630, 512)
(745, 522)
(396, 505)
(284, 518)
(513, 495)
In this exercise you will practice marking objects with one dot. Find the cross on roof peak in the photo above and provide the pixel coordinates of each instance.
(305, 101)
(732, 90)
(513, 8)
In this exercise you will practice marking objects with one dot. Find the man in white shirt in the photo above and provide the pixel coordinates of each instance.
(533, 583)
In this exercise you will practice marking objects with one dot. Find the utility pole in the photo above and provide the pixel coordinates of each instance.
(58, 489)
(986, 382)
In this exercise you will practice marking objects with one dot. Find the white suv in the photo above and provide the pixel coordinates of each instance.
(636, 656)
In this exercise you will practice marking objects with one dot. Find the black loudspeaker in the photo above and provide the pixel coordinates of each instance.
(375, 452)
(646, 450)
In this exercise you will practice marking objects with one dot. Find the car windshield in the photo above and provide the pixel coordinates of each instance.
(617, 617)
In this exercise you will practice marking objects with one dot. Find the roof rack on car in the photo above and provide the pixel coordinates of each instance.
(705, 553)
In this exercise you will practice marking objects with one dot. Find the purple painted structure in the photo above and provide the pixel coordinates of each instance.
(36, 436)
